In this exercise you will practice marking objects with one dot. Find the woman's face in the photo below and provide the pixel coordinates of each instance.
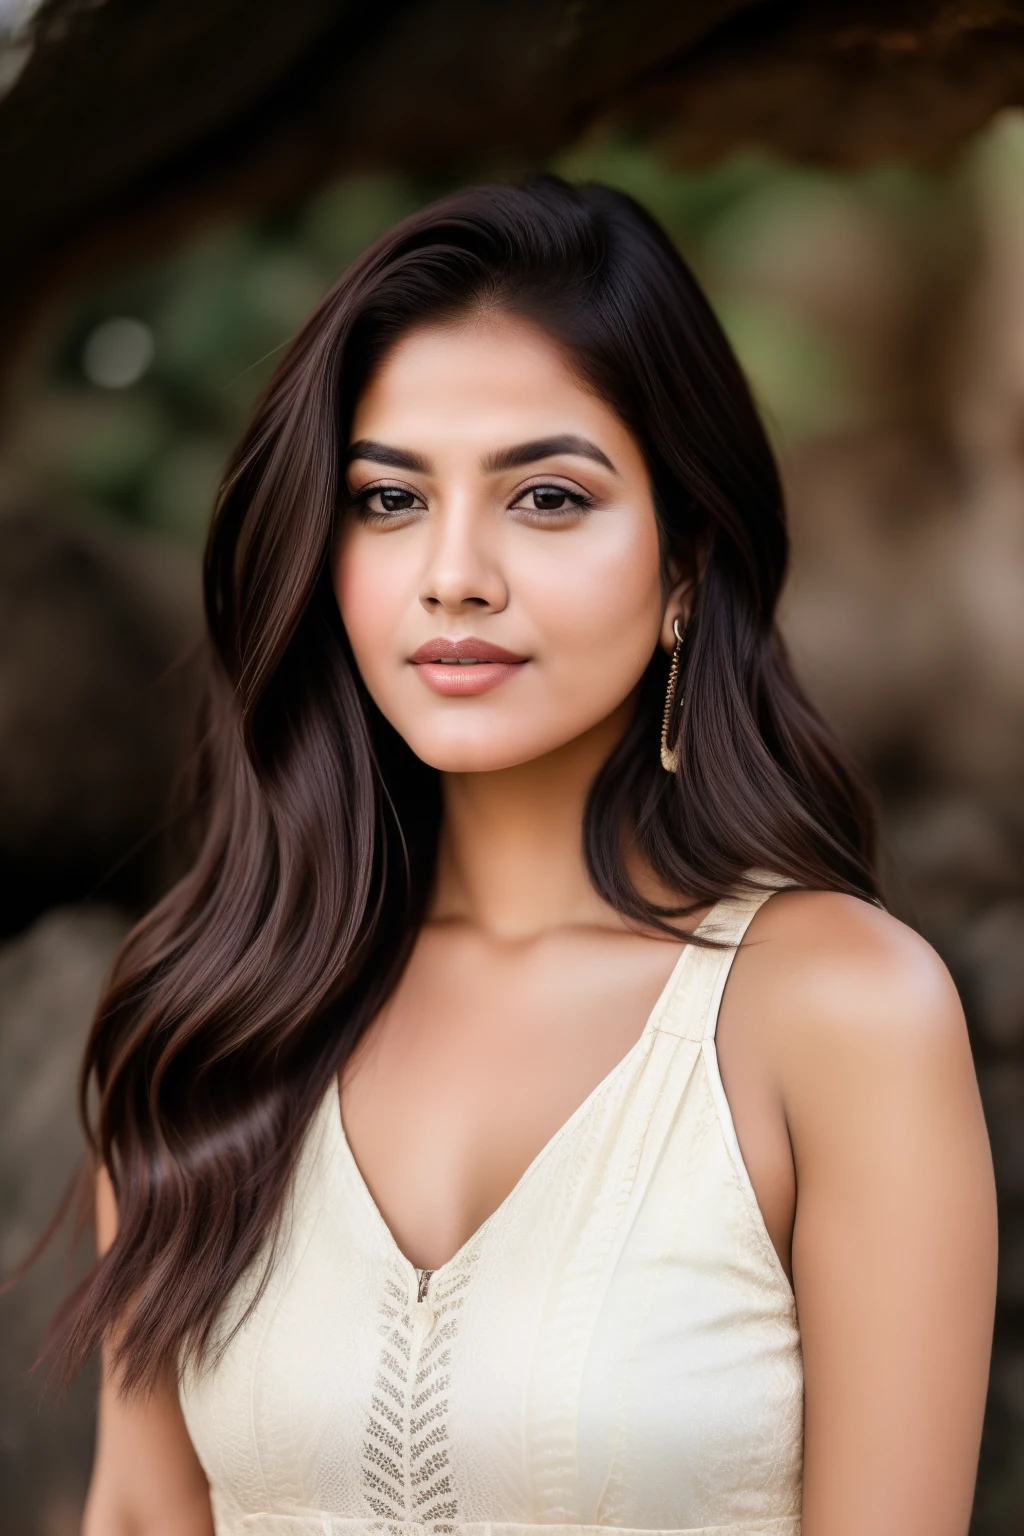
(497, 566)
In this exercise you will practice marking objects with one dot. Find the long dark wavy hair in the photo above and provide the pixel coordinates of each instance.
(234, 1003)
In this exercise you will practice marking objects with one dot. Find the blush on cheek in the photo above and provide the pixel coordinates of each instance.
(371, 590)
(344, 559)
(604, 608)
(361, 595)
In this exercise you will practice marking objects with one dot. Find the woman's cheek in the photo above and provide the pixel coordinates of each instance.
(365, 590)
(599, 608)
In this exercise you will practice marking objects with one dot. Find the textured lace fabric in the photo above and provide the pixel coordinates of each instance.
(614, 1350)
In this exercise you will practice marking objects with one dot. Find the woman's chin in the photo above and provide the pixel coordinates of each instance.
(471, 755)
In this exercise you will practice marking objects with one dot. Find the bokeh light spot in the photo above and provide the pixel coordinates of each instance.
(117, 352)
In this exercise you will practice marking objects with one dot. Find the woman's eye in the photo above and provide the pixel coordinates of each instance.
(393, 500)
(553, 498)
(380, 503)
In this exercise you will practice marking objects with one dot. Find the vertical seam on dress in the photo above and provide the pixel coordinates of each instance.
(559, 1484)
(669, 1070)
(294, 1268)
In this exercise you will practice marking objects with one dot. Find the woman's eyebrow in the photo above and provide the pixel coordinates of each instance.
(382, 453)
(545, 448)
(492, 463)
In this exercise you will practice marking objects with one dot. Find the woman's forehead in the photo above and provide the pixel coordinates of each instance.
(492, 381)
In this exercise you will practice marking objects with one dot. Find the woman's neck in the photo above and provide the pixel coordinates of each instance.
(510, 859)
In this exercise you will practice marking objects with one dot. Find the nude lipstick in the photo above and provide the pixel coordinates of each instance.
(462, 668)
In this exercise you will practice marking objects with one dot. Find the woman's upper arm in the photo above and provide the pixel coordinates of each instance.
(894, 1245)
(147, 1480)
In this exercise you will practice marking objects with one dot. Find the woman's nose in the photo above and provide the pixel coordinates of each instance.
(463, 569)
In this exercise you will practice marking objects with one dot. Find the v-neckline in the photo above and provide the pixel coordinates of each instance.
(489, 1222)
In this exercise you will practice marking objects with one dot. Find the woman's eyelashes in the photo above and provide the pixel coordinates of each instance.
(552, 503)
(397, 503)
(545, 502)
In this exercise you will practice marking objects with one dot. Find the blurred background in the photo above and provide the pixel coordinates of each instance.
(180, 185)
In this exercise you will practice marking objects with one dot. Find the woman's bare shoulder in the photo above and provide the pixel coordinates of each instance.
(849, 1014)
(862, 1037)
(834, 973)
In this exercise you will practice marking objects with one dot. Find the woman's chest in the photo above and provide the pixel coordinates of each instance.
(615, 1349)
(472, 1068)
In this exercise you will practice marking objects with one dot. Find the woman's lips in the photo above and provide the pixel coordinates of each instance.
(464, 667)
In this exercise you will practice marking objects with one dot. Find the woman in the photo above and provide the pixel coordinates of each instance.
(459, 1165)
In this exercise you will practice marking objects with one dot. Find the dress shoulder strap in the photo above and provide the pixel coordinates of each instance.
(692, 1011)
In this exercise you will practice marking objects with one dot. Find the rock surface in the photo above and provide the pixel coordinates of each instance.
(279, 100)
(49, 980)
(96, 702)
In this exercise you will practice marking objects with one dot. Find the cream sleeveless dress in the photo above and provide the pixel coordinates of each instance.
(614, 1350)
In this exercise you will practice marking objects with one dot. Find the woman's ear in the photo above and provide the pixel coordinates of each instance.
(685, 571)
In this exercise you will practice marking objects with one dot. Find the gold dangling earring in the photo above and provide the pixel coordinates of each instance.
(670, 755)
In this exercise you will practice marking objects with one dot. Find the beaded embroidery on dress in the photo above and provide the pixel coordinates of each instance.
(405, 1462)
(614, 1351)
